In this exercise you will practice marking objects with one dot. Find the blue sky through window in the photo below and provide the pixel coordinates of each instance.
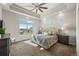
(24, 24)
(51, 21)
(22, 21)
(61, 20)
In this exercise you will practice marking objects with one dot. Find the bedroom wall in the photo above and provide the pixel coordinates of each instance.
(11, 21)
(69, 26)
(0, 12)
(77, 29)
(11, 24)
(70, 22)
(36, 26)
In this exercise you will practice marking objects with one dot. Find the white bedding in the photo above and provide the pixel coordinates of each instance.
(45, 41)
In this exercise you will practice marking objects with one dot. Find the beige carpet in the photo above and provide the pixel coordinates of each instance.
(27, 48)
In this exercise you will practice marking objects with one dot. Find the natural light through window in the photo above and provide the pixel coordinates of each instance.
(61, 20)
(25, 26)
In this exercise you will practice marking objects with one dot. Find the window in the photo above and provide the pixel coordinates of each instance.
(25, 26)
(51, 22)
(61, 21)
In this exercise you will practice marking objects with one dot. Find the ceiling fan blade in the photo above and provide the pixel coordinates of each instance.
(42, 4)
(36, 10)
(33, 4)
(40, 10)
(44, 7)
(32, 9)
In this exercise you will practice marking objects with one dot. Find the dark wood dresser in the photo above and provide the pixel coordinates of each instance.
(64, 39)
(4, 47)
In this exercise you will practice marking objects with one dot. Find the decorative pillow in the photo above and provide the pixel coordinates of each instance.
(45, 33)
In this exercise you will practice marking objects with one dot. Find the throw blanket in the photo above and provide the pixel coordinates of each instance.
(45, 41)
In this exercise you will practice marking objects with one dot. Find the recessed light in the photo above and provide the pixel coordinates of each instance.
(61, 14)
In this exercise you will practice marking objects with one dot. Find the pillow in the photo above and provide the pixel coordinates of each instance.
(45, 33)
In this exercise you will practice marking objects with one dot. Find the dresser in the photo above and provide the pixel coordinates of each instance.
(4, 47)
(64, 39)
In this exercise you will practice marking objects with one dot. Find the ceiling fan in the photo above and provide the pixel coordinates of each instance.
(38, 7)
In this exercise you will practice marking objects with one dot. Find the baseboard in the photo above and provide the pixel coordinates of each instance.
(21, 41)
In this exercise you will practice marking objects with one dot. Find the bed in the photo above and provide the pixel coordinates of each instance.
(45, 41)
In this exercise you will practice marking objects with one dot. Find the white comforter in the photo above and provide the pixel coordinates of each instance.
(45, 41)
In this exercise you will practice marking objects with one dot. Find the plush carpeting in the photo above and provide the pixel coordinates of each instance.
(27, 48)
